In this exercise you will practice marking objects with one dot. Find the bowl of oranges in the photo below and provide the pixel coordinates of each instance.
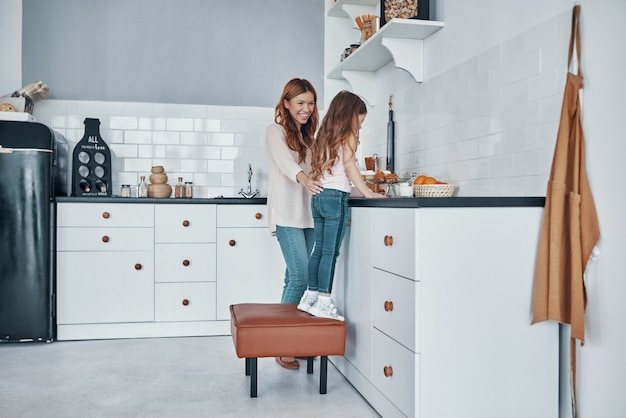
(427, 186)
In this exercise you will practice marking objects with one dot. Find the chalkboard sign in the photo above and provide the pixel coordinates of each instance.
(91, 163)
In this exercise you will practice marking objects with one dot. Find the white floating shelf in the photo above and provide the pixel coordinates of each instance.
(400, 40)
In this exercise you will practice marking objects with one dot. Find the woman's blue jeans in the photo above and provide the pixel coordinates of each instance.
(330, 219)
(296, 245)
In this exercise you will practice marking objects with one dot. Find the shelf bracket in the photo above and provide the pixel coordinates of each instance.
(407, 54)
(363, 83)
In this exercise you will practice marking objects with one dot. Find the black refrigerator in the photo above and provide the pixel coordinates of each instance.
(33, 170)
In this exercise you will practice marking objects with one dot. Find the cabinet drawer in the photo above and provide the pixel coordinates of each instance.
(184, 262)
(251, 268)
(393, 241)
(184, 301)
(105, 239)
(105, 214)
(396, 308)
(242, 216)
(401, 384)
(184, 223)
(105, 287)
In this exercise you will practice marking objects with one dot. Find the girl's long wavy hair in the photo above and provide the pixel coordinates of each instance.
(282, 117)
(340, 122)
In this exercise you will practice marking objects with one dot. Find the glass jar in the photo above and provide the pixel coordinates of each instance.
(188, 190)
(125, 192)
(142, 187)
(179, 189)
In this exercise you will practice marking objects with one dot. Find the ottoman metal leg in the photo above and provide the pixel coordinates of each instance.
(309, 365)
(323, 373)
(252, 363)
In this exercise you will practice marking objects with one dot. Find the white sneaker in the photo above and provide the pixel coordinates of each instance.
(306, 302)
(326, 310)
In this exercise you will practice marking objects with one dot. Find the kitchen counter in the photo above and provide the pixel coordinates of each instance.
(452, 202)
(422, 202)
(178, 201)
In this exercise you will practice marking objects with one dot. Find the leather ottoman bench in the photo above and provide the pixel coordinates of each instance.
(281, 330)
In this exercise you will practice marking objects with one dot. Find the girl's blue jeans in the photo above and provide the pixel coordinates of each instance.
(330, 219)
(296, 245)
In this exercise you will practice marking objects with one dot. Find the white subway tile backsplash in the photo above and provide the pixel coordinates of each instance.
(151, 151)
(207, 153)
(488, 125)
(222, 139)
(135, 137)
(179, 124)
(230, 153)
(165, 137)
(193, 166)
(220, 166)
(194, 138)
(124, 151)
(206, 125)
(526, 163)
(123, 122)
(179, 151)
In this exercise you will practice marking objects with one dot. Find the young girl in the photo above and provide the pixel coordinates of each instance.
(288, 142)
(333, 162)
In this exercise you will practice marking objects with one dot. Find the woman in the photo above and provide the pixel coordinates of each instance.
(289, 141)
(333, 162)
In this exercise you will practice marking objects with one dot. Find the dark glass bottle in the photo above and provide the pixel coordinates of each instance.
(85, 185)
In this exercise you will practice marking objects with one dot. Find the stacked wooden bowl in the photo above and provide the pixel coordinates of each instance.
(158, 186)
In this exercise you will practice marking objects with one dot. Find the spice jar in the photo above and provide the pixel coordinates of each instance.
(142, 187)
(125, 192)
(188, 189)
(179, 189)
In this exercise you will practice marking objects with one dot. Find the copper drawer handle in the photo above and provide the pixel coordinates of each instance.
(138, 266)
(258, 215)
(388, 371)
(388, 306)
(185, 302)
(106, 215)
(388, 240)
(232, 242)
(185, 263)
(185, 223)
(105, 238)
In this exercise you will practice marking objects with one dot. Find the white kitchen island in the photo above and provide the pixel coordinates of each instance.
(438, 304)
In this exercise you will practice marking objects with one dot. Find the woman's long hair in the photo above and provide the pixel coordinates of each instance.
(340, 122)
(282, 117)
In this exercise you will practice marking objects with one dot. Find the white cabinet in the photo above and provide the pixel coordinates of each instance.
(185, 262)
(449, 322)
(105, 264)
(141, 269)
(250, 264)
(400, 41)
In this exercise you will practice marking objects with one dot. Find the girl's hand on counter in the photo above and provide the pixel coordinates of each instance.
(374, 195)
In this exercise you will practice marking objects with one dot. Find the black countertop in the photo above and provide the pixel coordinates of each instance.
(419, 202)
(166, 200)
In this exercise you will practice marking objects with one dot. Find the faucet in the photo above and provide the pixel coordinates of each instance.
(249, 194)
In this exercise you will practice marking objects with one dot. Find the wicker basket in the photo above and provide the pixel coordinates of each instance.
(433, 190)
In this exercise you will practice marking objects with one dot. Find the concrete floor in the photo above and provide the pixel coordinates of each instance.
(162, 377)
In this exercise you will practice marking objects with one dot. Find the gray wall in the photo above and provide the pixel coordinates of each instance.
(226, 52)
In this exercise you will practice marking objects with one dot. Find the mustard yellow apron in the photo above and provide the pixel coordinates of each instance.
(570, 228)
